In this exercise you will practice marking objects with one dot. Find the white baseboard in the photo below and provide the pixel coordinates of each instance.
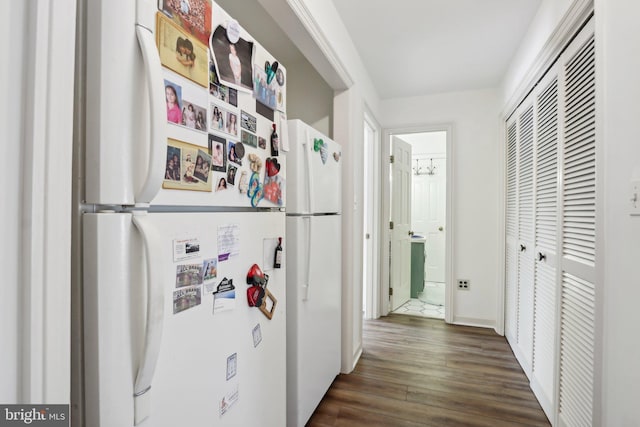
(356, 359)
(470, 321)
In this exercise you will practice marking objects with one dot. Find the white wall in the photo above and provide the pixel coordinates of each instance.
(476, 209)
(12, 23)
(36, 127)
(349, 110)
(541, 28)
(617, 33)
(310, 98)
(323, 21)
(327, 19)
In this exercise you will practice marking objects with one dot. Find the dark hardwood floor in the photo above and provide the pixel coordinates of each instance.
(422, 372)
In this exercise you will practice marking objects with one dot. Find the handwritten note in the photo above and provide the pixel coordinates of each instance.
(228, 241)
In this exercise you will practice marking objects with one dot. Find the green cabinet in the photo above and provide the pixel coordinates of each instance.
(417, 267)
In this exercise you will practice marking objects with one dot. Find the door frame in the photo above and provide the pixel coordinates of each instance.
(449, 230)
(372, 296)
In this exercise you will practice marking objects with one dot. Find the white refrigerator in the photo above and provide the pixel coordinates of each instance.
(314, 272)
(184, 319)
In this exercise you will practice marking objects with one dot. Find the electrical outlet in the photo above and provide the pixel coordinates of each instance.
(464, 284)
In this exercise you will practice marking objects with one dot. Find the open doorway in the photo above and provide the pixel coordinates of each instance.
(424, 248)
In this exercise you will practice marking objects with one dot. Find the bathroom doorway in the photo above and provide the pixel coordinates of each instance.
(429, 223)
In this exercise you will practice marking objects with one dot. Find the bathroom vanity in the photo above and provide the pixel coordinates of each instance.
(417, 265)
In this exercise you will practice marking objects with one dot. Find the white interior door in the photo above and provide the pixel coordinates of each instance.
(546, 201)
(579, 291)
(401, 220)
(524, 349)
(436, 198)
(511, 254)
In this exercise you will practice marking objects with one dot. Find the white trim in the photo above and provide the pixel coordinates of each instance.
(547, 405)
(599, 404)
(356, 357)
(317, 34)
(472, 321)
(571, 22)
(502, 235)
(449, 230)
(373, 292)
(385, 150)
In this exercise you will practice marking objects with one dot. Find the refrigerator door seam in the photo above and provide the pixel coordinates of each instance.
(314, 214)
(157, 117)
(308, 148)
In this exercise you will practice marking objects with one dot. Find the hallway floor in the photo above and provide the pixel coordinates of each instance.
(424, 372)
(416, 307)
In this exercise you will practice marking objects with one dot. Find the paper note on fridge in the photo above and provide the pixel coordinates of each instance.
(228, 241)
(185, 249)
(229, 400)
(224, 298)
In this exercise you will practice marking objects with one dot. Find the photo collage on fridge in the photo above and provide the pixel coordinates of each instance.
(226, 106)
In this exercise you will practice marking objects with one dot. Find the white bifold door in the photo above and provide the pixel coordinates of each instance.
(550, 260)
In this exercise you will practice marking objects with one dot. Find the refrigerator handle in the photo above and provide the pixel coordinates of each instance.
(157, 116)
(309, 151)
(305, 288)
(155, 315)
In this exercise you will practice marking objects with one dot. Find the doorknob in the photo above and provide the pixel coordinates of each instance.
(367, 236)
(440, 228)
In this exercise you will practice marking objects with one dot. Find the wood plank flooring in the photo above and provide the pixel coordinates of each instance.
(422, 372)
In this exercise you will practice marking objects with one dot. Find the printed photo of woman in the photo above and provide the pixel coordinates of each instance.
(173, 102)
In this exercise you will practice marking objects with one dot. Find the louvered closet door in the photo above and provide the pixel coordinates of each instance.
(511, 255)
(546, 202)
(578, 246)
(524, 350)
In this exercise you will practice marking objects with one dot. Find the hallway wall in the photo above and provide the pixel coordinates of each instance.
(618, 56)
(37, 126)
(542, 27)
(11, 112)
(317, 30)
(476, 175)
(309, 96)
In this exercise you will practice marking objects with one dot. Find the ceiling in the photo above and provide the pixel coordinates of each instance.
(420, 47)
(416, 47)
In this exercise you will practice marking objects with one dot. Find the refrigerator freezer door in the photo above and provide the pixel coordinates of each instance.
(192, 375)
(315, 171)
(314, 308)
(117, 107)
(127, 126)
